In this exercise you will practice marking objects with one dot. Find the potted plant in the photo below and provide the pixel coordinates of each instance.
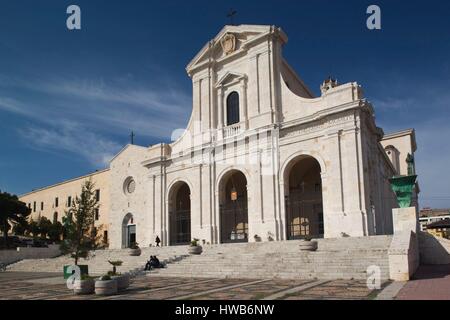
(194, 247)
(105, 285)
(134, 249)
(307, 244)
(123, 280)
(84, 285)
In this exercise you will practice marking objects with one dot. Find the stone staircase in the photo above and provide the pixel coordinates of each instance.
(343, 258)
(340, 258)
(98, 260)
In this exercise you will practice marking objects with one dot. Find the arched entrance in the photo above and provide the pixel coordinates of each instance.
(180, 214)
(233, 208)
(128, 231)
(303, 200)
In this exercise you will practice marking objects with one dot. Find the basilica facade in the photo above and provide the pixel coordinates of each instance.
(261, 159)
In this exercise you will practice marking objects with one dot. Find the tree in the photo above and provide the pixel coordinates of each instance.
(79, 224)
(11, 210)
(34, 228)
(44, 227)
(55, 231)
(21, 227)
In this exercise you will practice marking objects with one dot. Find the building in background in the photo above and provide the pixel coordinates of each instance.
(54, 201)
(435, 221)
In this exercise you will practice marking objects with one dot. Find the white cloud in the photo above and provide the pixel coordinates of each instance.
(153, 112)
(82, 117)
(74, 139)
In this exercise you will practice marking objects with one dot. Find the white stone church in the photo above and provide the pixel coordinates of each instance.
(261, 159)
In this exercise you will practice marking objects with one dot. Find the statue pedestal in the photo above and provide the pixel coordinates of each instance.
(405, 219)
(404, 249)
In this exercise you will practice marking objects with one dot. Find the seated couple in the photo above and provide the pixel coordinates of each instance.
(153, 263)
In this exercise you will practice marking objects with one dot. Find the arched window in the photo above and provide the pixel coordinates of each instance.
(55, 217)
(232, 108)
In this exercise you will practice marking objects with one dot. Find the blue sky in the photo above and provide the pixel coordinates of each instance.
(69, 99)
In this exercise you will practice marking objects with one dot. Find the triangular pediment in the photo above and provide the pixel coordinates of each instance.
(230, 40)
(229, 77)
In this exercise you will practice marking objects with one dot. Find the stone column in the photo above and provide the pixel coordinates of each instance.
(243, 109)
(220, 111)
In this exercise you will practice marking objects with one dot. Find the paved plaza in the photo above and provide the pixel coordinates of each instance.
(51, 286)
(428, 283)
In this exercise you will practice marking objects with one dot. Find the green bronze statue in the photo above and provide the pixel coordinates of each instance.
(403, 186)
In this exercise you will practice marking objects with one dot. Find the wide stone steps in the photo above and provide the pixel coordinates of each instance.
(342, 258)
(98, 262)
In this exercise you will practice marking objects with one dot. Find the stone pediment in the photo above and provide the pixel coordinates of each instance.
(230, 78)
(231, 40)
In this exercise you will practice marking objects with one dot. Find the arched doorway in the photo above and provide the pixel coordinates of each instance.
(180, 214)
(233, 208)
(303, 201)
(128, 231)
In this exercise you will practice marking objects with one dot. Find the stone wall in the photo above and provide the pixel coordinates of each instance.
(11, 256)
(434, 250)
(403, 256)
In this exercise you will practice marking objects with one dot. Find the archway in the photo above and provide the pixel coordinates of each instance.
(128, 231)
(303, 200)
(233, 208)
(180, 214)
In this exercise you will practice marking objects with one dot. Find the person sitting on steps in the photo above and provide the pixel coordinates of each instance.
(153, 263)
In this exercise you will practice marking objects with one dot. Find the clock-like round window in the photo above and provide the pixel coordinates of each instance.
(129, 185)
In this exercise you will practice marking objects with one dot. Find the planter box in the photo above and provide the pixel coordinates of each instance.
(134, 252)
(123, 281)
(195, 249)
(105, 287)
(84, 270)
(84, 286)
(308, 245)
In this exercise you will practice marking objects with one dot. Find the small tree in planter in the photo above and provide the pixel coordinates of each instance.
(123, 280)
(79, 225)
(115, 264)
(194, 247)
(134, 249)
